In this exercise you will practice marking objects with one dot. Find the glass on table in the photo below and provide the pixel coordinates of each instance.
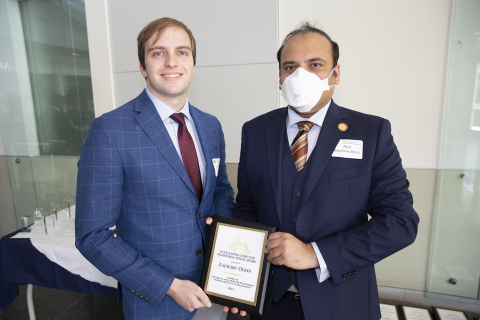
(26, 221)
(68, 202)
(62, 221)
(39, 220)
(55, 210)
(40, 212)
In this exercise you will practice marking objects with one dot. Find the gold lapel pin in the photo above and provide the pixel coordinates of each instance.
(342, 126)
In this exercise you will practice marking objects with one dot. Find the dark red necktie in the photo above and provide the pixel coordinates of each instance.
(189, 154)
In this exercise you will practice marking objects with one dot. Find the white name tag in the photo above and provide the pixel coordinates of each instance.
(351, 149)
(216, 165)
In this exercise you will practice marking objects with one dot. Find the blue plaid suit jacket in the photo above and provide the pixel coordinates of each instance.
(130, 175)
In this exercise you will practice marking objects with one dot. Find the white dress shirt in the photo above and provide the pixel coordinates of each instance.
(312, 137)
(172, 128)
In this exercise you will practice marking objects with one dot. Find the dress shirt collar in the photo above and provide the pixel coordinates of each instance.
(317, 118)
(164, 110)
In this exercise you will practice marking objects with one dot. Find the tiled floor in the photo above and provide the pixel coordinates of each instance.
(55, 304)
(51, 304)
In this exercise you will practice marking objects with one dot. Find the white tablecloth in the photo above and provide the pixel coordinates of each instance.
(59, 247)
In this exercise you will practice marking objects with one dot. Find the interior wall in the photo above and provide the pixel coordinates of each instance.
(100, 56)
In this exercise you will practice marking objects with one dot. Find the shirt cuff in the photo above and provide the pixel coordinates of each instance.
(322, 272)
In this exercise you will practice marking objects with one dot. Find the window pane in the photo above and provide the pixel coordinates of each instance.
(57, 51)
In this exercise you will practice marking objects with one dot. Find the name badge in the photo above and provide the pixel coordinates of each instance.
(351, 149)
(216, 165)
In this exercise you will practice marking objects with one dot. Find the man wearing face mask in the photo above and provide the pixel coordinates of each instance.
(317, 170)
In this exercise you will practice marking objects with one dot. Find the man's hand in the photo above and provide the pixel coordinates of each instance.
(234, 310)
(188, 295)
(284, 249)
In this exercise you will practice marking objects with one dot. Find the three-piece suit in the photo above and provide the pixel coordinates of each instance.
(328, 203)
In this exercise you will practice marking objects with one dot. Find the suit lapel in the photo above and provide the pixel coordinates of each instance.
(205, 141)
(326, 143)
(274, 132)
(152, 124)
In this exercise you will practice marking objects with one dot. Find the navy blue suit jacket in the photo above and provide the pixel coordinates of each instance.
(130, 175)
(338, 196)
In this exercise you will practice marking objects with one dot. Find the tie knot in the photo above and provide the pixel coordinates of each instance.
(179, 118)
(304, 125)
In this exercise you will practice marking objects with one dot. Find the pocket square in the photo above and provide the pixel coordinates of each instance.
(216, 165)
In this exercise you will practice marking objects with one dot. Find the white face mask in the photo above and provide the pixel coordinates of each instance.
(302, 89)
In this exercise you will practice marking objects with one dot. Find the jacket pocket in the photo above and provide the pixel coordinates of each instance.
(348, 173)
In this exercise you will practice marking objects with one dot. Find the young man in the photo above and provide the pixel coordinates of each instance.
(155, 168)
(316, 171)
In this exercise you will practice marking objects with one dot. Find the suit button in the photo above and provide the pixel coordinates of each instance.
(298, 193)
(344, 277)
(199, 215)
(294, 220)
(356, 270)
(198, 252)
(349, 274)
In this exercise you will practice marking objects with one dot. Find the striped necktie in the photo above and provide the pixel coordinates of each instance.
(299, 147)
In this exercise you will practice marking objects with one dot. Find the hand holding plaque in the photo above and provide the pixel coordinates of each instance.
(235, 270)
(287, 250)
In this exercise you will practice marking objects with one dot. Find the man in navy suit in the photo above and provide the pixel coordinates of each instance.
(317, 170)
(155, 168)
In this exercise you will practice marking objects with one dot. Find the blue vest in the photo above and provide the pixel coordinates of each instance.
(292, 184)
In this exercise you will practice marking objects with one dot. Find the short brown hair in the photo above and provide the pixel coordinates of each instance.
(157, 27)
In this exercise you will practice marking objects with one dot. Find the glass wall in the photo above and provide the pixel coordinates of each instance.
(57, 51)
(46, 102)
(455, 262)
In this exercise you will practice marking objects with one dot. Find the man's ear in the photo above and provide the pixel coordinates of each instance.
(337, 74)
(143, 71)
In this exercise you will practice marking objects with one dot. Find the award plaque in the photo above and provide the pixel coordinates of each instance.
(414, 313)
(236, 268)
(445, 314)
(389, 312)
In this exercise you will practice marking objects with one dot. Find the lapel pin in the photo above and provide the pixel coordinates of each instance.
(342, 126)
